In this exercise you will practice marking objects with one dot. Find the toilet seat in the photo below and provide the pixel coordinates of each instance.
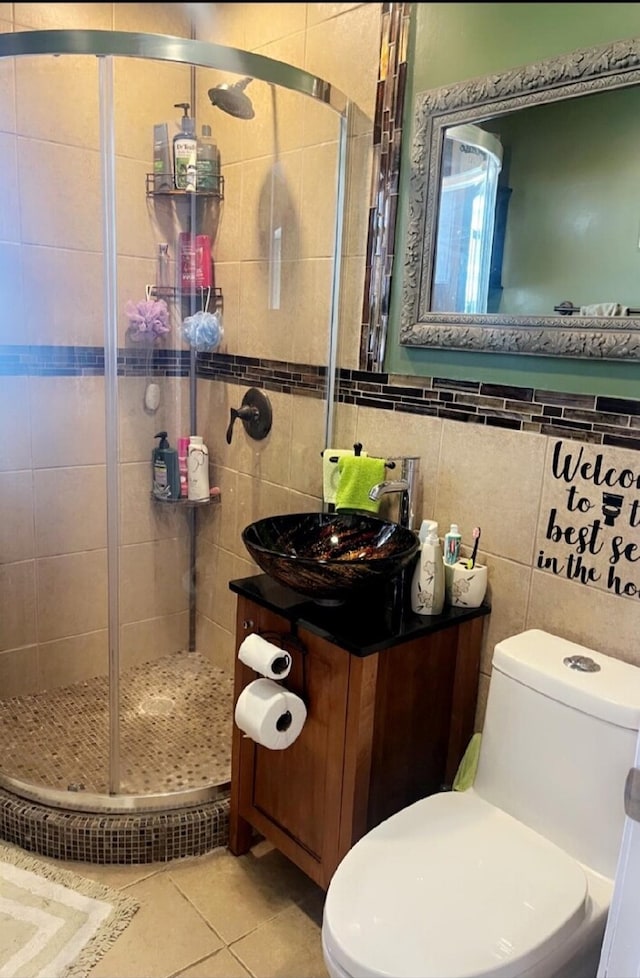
(451, 887)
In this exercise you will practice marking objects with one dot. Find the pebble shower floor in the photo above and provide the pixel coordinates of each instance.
(176, 722)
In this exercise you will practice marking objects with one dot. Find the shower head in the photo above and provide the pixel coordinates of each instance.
(232, 99)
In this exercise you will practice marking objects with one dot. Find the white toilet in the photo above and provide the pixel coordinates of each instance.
(512, 878)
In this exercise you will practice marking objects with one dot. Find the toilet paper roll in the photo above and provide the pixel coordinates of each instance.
(269, 714)
(265, 658)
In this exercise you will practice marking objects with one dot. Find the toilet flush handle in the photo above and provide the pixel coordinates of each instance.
(583, 663)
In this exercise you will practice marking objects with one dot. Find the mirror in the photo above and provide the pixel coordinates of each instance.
(523, 233)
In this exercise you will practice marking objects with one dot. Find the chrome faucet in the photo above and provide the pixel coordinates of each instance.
(406, 484)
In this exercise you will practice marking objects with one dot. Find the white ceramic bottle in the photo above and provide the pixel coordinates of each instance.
(198, 469)
(427, 585)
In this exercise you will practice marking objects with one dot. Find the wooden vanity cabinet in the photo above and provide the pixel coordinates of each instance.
(382, 731)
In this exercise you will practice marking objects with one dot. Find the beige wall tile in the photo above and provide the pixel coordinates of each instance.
(16, 531)
(19, 672)
(217, 523)
(138, 425)
(159, 18)
(60, 195)
(58, 101)
(269, 332)
(73, 660)
(257, 499)
(588, 528)
(278, 124)
(508, 595)
(317, 12)
(153, 579)
(306, 444)
(271, 199)
(72, 594)
(17, 605)
(10, 198)
(144, 641)
(70, 509)
(157, 86)
(214, 600)
(311, 335)
(351, 296)
(13, 328)
(63, 296)
(319, 203)
(217, 643)
(15, 433)
(231, 230)
(227, 275)
(220, 23)
(334, 47)
(586, 615)
(49, 16)
(142, 519)
(134, 230)
(68, 427)
(264, 24)
(491, 478)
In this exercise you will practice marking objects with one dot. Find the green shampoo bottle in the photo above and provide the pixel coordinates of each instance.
(165, 470)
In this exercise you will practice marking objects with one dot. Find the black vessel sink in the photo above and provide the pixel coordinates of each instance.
(327, 556)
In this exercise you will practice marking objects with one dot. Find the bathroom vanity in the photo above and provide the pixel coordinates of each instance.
(391, 699)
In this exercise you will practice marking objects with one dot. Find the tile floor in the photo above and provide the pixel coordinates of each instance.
(215, 916)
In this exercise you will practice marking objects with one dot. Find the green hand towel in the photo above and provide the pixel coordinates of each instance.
(466, 773)
(358, 474)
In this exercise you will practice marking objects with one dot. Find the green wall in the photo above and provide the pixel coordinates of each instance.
(453, 42)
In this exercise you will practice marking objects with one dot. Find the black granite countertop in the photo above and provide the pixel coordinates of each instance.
(368, 623)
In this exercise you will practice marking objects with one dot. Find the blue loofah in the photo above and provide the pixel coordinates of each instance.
(203, 331)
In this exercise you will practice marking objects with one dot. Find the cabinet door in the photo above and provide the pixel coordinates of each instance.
(293, 796)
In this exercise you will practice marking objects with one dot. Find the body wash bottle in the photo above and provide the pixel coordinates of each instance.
(165, 472)
(198, 469)
(427, 585)
(185, 152)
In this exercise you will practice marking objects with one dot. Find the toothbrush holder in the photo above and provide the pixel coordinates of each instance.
(465, 588)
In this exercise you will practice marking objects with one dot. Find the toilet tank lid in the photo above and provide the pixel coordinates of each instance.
(536, 659)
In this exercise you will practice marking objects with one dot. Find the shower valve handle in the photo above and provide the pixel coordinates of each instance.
(245, 414)
(255, 414)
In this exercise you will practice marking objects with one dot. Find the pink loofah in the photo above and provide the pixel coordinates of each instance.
(148, 319)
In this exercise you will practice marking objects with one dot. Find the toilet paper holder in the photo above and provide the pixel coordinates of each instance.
(288, 642)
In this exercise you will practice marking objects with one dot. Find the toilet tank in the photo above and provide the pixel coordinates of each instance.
(557, 743)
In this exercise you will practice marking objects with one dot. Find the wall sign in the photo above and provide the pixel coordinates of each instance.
(592, 530)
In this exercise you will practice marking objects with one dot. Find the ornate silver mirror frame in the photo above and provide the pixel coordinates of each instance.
(615, 65)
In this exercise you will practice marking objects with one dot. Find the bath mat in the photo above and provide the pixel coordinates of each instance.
(54, 923)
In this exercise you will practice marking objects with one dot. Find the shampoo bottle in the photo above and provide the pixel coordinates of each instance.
(185, 152)
(165, 473)
(198, 469)
(208, 162)
(427, 585)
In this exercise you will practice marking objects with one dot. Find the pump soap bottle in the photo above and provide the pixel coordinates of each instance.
(185, 152)
(165, 472)
(428, 583)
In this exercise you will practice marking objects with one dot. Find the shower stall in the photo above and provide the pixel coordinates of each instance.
(117, 626)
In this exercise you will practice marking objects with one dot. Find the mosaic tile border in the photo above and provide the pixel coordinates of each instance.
(129, 839)
(596, 418)
(385, 176)
(88, 361)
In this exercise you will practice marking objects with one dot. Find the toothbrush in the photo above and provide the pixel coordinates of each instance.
(476, 540)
